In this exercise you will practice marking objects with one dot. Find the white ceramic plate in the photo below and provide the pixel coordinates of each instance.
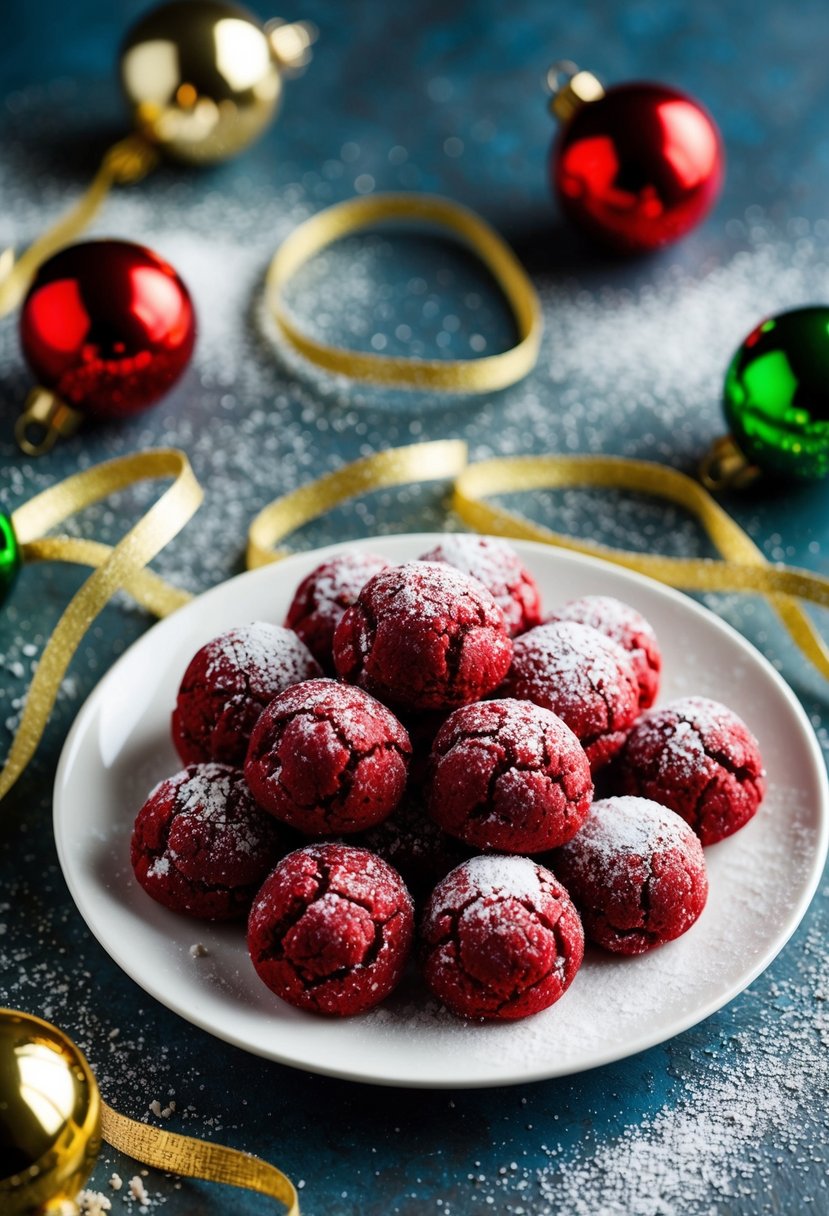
(761, 880)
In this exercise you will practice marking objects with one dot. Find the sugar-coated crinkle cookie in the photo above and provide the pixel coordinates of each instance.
(581, 675)
(626, 626)
(331, 929)
(201, 845)
(636, 872)
(323, 596)
(228, 683)
(423, 636)
(509, 775)
(501, 939)
(699, 758)
(495, 564)
(326, 758)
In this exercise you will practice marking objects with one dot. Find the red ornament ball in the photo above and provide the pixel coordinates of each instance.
(639, 167)
(108, 326)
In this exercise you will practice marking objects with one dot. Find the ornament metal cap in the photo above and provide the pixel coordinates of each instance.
(726, 467)
(45, 419)
(50, 1118)
(571, 87)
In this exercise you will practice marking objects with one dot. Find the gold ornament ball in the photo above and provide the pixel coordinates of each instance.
(50, 1118)
(203, 78)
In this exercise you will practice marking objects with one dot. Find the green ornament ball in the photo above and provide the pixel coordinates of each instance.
(776, 397)
(9, 556)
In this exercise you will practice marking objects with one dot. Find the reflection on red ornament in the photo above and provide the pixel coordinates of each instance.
(637, 166)
(107, 327)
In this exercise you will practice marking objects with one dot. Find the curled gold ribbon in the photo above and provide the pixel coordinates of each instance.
(743, 568)
(119, 567)
(444, 458)
(482, 375)
(127, 161)
(194, 1158)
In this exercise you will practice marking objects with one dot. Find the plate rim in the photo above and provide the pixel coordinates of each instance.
(613, 1053)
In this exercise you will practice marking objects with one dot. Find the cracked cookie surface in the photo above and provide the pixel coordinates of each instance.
(326, 757)
(627, 626)
(501, 939)
(581, 675)
(424, 636)
(228, 683)
(699, 758)
(201, 845)
(331, 929)
(636, 872)
(496, 564)
(509, 775)
(322, 597)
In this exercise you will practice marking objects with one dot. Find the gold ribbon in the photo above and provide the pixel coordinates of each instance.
(127, 161)
(481, 375)
(194, 1158)
(119, 567)
(443, 458)
(744, 567)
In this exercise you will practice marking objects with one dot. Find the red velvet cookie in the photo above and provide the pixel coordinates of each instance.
(323, 596)
(582, 676)
(325, 757)
(423, 636)
(626, 626)
(698, 758)
(331, 929)
(636, 873)
(201, 845)
(228, 683)
(509, 775)
(501, 939)
(495, 564)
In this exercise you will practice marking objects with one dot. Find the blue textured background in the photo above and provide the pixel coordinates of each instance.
(411, 77)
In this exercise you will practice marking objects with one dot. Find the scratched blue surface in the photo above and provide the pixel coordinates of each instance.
(414, 76)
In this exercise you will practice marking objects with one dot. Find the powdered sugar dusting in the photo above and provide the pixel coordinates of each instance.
(573, 658)
(259, 647)
(626, 825)
(501, 876)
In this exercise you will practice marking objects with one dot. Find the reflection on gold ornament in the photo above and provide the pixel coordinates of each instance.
(52, 1122)
(203, 79)
(50, 1117)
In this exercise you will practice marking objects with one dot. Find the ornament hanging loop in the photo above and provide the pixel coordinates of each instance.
(45, 419)
(570, 87)
(725, 467)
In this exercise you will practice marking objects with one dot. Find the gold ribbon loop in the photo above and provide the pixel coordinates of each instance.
(744, 568)
(194, 1158)
(397, 466)
(482, 375)
(120, 568)
(127, 161)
